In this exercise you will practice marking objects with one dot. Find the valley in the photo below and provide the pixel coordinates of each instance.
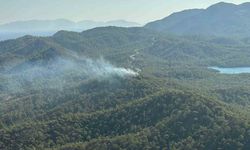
(112, 88)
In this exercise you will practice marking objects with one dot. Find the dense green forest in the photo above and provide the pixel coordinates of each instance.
(114, 88)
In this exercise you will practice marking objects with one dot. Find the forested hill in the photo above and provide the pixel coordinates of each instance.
(117, 44)
(167, 118)
(124, 88)
(221, 19)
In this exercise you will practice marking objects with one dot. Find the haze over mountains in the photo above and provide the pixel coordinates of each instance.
(49, 27)
(221, 19)
(112, 88)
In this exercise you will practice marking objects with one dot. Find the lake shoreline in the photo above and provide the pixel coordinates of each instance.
(232, 70)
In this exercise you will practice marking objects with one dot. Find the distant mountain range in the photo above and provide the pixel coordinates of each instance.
(49, 27)
(221, 19)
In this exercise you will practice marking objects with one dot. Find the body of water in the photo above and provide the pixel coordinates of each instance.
(236, 70)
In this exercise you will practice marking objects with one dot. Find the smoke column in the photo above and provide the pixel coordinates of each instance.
(61, 73)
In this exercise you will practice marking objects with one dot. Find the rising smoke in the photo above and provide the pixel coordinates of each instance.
(61, 73)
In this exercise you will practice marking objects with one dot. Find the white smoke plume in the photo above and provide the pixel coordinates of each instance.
(61, 73)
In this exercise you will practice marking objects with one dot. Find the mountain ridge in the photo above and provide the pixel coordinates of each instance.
(221, 19)
(73, 91)
(65, 23)
(49, 27)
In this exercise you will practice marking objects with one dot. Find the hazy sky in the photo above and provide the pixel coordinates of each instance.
(141, 11)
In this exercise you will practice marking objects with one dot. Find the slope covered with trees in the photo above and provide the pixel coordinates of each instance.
(166, 117)
(123, 88)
